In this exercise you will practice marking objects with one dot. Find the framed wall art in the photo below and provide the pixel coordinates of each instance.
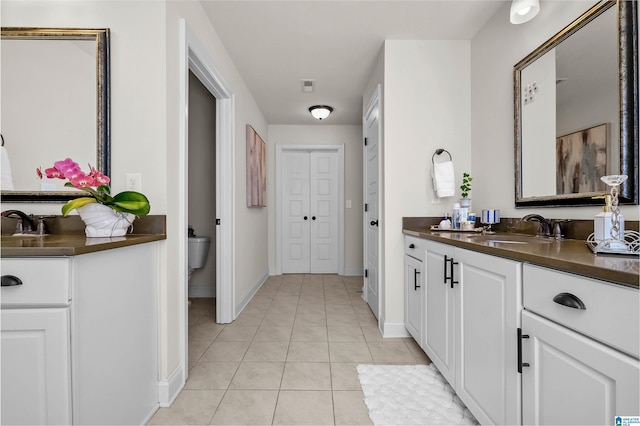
(581, 159)
(256, 169)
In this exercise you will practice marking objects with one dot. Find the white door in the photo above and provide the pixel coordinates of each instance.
(371, 215)
(310, 211)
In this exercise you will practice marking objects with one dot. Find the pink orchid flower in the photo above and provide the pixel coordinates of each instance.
(52, 173)
(99, 177)
(82, 180)
(67, 167)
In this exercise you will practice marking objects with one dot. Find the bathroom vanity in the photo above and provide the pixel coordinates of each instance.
(79, 329)
(526, 330)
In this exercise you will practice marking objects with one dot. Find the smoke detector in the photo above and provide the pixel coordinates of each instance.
(308, 85)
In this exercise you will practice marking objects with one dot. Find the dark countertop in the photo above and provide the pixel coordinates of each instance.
(67, 237)
(68, 245)
(564, 255)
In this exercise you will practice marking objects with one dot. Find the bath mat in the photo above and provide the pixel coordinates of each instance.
(411, 395)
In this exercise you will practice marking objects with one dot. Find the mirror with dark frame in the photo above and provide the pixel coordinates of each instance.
(576, 111)
(55, 104)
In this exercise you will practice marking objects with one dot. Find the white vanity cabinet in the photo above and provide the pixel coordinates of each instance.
(488, 303)
(439, 308)
(414, 288)
(79, 338)
(580, 349)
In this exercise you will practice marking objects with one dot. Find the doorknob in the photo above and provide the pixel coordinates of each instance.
(313, 218)
(374, 223)
(305, 218)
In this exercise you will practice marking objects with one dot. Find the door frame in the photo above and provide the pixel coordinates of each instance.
(195, 58)
(374, 105)
(280, 150)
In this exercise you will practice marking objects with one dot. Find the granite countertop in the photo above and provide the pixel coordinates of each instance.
(67, 238)
(565, 255)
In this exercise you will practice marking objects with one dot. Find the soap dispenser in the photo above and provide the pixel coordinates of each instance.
(603, 223)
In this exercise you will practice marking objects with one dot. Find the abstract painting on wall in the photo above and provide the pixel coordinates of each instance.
(581, 159)
(256, 169)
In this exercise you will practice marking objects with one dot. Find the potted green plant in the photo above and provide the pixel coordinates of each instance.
(465, 201)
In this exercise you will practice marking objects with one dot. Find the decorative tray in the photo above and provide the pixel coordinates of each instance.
(437, 228)
(629, 246)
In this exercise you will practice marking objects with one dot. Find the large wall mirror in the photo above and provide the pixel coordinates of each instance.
(55, 104)
(576, 111)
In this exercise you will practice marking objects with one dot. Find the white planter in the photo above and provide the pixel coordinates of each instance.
(465, 202)
(103, 221)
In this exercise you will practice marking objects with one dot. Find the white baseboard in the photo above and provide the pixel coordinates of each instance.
(393, 329)
(245, 300)
(354, 271)
(168, 390)
(202, 291)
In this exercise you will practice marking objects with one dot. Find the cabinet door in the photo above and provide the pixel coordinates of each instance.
(439, 342)
(413, 294)
(488, 303)
(36, 378)
(572, 379)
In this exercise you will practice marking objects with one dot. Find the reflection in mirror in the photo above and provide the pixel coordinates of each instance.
(55, 104)
(575, 98)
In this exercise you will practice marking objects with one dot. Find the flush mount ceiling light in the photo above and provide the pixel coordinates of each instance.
(523, 10)
(320, 112)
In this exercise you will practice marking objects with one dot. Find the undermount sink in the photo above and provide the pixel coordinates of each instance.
(509, 239)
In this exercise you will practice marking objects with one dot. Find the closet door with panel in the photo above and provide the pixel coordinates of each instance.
(310, 211)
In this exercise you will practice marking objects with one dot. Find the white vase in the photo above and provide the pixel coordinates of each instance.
(465, 202)
(103, 221)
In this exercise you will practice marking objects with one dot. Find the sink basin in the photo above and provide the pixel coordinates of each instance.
(509, 239)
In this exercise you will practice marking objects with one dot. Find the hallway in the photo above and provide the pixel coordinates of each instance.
(288, 359)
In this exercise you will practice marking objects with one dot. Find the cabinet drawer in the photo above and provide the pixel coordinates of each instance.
(414, 246)
(45, 282)
(611, 313)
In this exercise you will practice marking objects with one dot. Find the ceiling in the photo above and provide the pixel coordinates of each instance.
(277, 44)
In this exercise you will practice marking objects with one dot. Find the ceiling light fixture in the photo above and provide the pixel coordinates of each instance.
(320, 112)
(523, 10)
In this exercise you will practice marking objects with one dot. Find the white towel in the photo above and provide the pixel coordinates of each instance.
(6, 180)
(443, 179)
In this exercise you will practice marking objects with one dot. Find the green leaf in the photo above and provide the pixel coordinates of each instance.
(131, 202)
(75, 203)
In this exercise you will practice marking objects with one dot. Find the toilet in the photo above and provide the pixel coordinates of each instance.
(197, 253)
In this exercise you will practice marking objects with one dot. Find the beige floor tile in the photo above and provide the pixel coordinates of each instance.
(339, 309)
(311, 308)
(367, 320)
(211, 375)
(246, 407)
(316, 320)
(249, 319)
(344, 376)
(267, 351)
(349, 352)
(316, 298)
(342, 319)
(350, 409)
(390, 351)
(304, 408)
(191, 407)
(302, 333)
(237, 333)
(258, 375)
(345, 334)
(197, 348)
(417, 352)
(279, 319)
(205, 331)
(372, 333)
(202, 306)
(225, 351)
(284, 300)
(267, 333)
(308, 352)
(306, 376)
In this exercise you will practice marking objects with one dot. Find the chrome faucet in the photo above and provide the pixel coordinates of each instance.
(25, 224)
(544, 225)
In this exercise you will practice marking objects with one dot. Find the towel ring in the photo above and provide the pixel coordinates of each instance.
(440, 151)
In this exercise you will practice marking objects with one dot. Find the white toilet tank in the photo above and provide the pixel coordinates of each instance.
(198, 251)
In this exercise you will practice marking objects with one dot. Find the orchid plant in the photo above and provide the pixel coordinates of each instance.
(96, 184)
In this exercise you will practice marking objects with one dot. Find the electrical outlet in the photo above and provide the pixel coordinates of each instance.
(134, 182)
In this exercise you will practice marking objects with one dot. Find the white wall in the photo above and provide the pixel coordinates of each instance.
(323, 134)
(494, 52)
(426, 98)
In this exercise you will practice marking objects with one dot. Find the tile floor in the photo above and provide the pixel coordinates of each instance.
(288, 359)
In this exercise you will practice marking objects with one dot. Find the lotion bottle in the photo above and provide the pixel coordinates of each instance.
(455, 216)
